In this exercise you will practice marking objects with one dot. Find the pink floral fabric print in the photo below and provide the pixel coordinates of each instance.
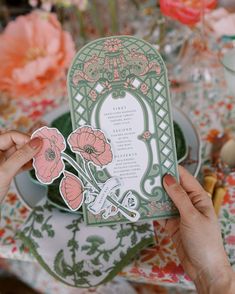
(71, 189)
(48, 163)
(92, 145)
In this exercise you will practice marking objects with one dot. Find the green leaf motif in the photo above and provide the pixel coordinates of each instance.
(38, 209)
(51, 233)
(36, 233)
(71, 226)
(77, 267)
(91, 251)
(73, 244)
(48, 206)
(81, 281)
(60, 266)
(124, 232)
(225, 214)
(142, 228)
(39, 218)
(133, 239)
(96, 240)
(26, 229)
(97, 273)
(35, 244)
(106, 256)
(95, 261)
(48, 228)
(85, 247)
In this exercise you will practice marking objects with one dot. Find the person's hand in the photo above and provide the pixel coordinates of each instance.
(196, 235)
(16, 152)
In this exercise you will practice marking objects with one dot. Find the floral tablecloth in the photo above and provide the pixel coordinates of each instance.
(212, 111)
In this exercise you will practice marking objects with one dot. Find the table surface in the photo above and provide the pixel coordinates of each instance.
(210, 108)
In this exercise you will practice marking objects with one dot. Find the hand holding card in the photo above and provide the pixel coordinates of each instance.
(123, 134)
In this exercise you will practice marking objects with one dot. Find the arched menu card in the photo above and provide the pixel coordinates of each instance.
(122, 121)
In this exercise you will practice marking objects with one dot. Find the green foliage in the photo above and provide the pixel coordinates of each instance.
(60, 266)
(124, 232)
(36, 233)
(73, 244)
(142, 228)
(180, 142)
(133, 239)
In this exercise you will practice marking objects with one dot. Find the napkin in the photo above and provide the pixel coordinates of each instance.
(78, 255)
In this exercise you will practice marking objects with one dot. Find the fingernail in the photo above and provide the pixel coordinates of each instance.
(169, 180)
(35, 142)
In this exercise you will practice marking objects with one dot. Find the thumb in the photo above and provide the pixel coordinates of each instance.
(178, 196)
(11, 166)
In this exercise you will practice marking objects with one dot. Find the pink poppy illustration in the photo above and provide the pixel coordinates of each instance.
(92, 145)
(71, 189)
(146, 135)
(48, 163)
(112, 45)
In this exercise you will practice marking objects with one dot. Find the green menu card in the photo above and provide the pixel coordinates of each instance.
(120, 108)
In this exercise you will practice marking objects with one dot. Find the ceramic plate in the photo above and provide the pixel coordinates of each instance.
(32, 192)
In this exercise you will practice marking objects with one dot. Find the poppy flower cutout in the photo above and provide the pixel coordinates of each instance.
(71, 189)
(47, 162)
(92, 145)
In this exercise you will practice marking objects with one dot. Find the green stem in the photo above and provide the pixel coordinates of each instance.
(94, 184)
(113, 14)
(96, 17)
(88, 170)
(74, 164)
(80, 15)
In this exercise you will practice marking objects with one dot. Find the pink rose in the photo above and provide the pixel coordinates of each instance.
(92, 145)
(34, 52)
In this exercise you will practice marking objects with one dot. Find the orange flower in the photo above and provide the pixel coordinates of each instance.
(11, 198)
(34, 52)
(92, 145)
(2, 232)
(185, 11)
(212, 135)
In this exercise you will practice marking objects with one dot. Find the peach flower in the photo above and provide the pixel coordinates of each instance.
(47, 162)
(34, 52)
(92, 145)
(71, 189)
